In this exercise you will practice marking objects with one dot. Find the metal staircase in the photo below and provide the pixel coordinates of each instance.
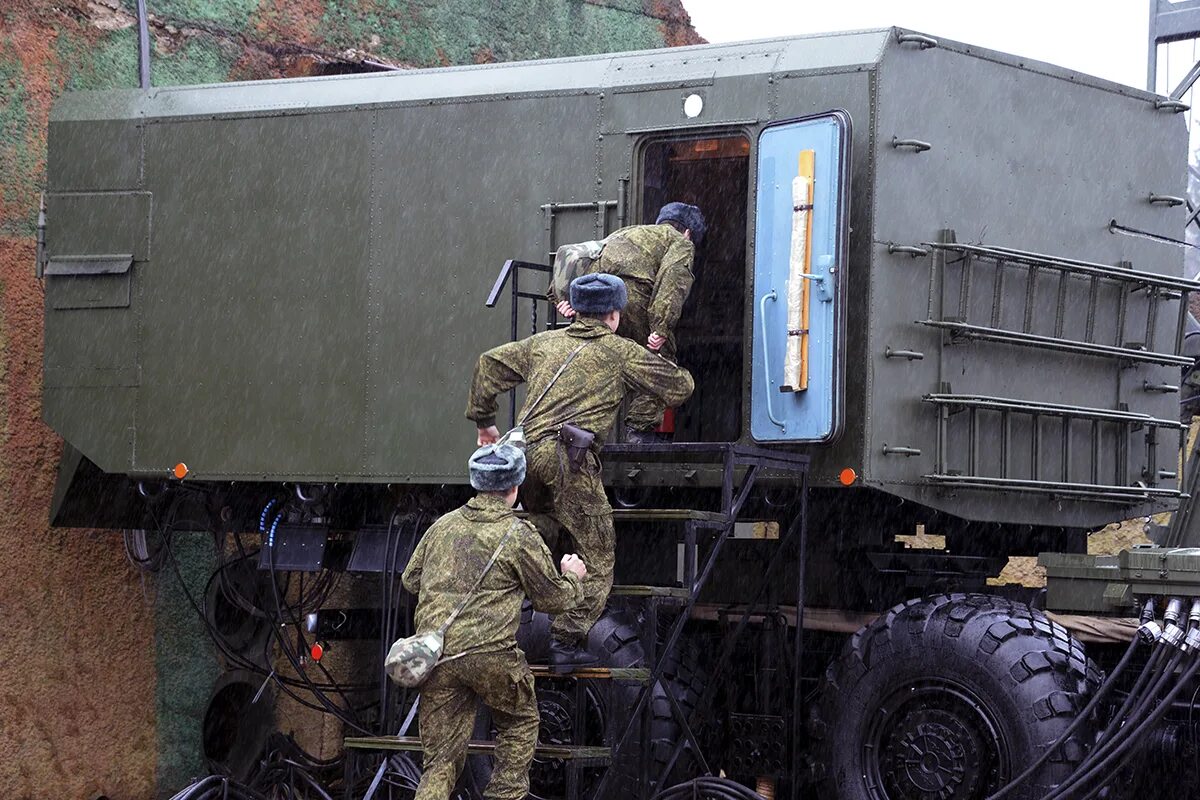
(740, 465)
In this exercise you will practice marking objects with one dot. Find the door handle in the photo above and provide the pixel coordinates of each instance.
(762, 318)
(822, 281)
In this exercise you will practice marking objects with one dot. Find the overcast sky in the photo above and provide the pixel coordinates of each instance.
(1106, 38)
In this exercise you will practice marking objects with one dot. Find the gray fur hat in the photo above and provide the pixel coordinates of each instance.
(689, 217)
(598, 293)
(497, 468)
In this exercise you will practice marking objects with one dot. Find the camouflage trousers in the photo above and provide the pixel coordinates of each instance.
(560, 499)
(645, 412)
(448, 704)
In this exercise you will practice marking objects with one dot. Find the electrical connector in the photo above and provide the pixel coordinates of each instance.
(1174, 612)
(1173, 635)
(1150, 632)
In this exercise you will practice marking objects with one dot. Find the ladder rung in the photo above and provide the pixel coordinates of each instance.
(620, 674)
(564, 752)
(1027, 258)
(987, 402)
(1051, 343)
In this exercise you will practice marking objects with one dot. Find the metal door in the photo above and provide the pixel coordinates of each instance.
(799, 252)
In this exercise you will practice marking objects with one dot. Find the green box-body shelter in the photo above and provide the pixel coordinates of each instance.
(286, 280)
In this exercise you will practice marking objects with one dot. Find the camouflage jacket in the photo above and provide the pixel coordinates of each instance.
(588, 393)
(655, 262)
(452, 554)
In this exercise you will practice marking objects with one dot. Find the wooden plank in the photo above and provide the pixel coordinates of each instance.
(632, 674)
(629, 590)
(477, 747)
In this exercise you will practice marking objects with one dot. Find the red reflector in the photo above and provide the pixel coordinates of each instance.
(316, 651)
(180, 470)
(847, 476)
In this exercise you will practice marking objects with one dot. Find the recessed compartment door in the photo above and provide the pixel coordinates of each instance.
(796, 386)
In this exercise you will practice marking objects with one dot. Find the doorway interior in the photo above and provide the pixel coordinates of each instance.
(711, 171)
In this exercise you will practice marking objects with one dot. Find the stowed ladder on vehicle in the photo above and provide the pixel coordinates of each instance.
(1049, 304)
(740, 467)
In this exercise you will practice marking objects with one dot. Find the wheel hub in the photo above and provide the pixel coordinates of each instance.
(934, 742)
(556, 726)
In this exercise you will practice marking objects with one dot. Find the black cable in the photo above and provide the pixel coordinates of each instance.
(712, 786)
(241, 662)
(285, 648)
(1160, 651)
(1079, 720)
(1144, 706)
(216, 636)
(283, 682)
(1115, 759)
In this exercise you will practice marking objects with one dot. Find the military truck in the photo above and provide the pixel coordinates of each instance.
(264, 301)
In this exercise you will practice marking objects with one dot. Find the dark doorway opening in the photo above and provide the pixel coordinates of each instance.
(712, 172)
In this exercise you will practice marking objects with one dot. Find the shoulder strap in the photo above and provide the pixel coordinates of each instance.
(482, 575)
(529, 409)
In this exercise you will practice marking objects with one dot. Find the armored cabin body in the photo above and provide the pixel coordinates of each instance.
(285, 282)
(297, 291)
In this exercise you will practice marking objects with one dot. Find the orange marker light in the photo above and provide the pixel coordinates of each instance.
(847, 476)
(180, 470)
(317, 651)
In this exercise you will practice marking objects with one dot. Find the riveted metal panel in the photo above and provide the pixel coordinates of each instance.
(90, 355)
(94, 155)
(255, 307)
(1032, 159)
(449, 204)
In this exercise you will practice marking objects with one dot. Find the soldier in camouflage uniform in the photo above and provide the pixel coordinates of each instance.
(655, 261)
(587, 394)
(481, 660)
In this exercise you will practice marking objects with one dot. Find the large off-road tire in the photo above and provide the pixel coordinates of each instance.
(949, 697)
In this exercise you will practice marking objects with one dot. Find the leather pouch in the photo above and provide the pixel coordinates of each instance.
(577, 442)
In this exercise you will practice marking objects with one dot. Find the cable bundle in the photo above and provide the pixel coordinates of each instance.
(1141, 709)
(709, 787)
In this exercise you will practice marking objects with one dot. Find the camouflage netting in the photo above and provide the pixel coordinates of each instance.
(104, 678)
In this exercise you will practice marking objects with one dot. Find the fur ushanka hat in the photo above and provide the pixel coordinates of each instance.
(690, 217)
(496, 468)
(598, 293)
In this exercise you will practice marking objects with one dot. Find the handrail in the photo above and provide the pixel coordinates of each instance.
(1097, 491)
(506, 272)
(762, 317)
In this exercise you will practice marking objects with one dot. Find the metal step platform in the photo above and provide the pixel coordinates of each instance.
(740, 466)
(581, 755)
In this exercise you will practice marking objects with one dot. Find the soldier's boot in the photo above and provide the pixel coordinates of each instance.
(568, 656)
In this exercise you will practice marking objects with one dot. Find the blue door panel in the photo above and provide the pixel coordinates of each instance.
(813, 414)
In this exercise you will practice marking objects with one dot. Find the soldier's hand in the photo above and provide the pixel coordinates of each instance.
(489, 435)
(573, 563)
(565, 310)
(655, 342)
